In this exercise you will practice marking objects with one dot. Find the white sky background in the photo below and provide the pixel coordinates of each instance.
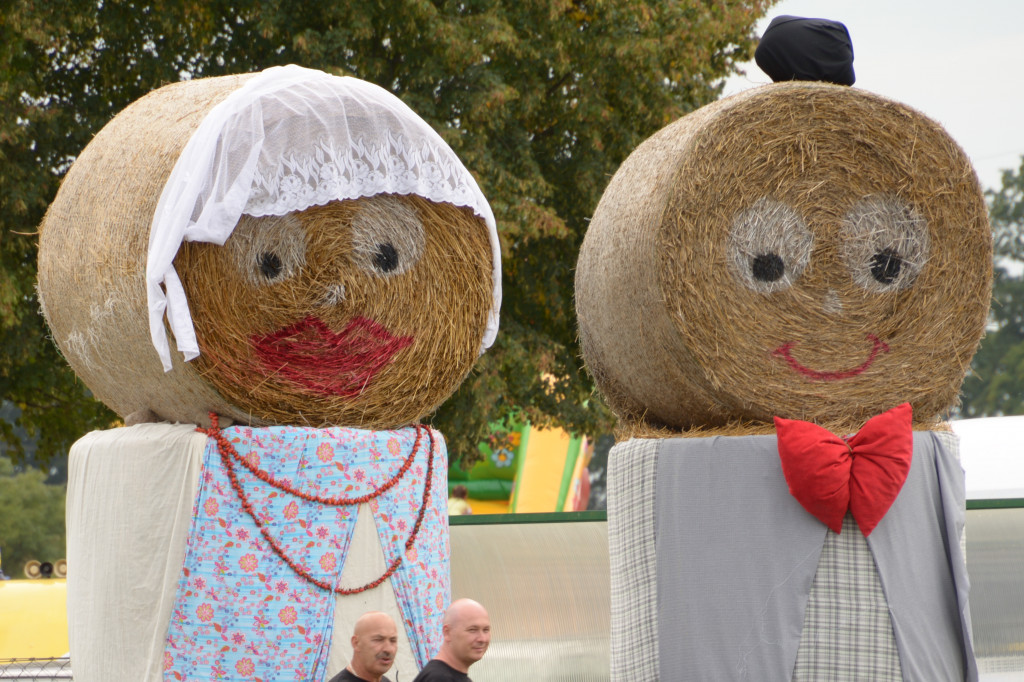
(959, 62)
(992, 454)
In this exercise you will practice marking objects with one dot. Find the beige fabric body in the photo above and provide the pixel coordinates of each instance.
(129, 512)
(365, 563)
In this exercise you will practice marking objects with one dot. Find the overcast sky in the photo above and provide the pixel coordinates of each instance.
(960, 63)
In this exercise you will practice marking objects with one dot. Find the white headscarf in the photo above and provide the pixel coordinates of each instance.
(288, 139)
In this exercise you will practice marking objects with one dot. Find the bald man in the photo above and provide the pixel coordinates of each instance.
(374, 643)
(467, 634)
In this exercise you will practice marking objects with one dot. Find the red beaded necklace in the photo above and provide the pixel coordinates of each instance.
(228, 454)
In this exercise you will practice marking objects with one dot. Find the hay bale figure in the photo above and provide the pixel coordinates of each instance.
(329, 272)
(798, 252)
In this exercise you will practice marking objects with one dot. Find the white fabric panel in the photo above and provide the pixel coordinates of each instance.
(364, 563)
(129, 508)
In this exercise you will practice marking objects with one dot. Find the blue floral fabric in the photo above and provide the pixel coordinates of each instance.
(241, 612)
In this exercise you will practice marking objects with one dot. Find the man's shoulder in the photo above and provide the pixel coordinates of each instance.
(439, 671)
(346, 676)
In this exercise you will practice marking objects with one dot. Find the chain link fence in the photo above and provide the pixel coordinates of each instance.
(35, 668)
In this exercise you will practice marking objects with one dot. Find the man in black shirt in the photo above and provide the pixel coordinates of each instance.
(374, 644)
(467, 634)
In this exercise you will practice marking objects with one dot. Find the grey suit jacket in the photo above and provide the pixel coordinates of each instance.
(737, 554)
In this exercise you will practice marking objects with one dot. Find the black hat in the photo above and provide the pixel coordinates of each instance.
(795, 48)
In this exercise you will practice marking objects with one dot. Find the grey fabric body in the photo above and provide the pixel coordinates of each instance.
(736, 556)
(735, 566)
(924, 574)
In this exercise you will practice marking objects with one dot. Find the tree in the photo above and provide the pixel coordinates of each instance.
(65, 69)
(31, 518)
(995, 385)
(541, 99)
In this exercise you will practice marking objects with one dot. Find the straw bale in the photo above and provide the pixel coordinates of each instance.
(626, 430)
(802, 250)
(92, 259)
(92, 256)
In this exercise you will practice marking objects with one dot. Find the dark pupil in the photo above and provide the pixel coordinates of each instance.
(386, 258)
(768, 267)
(885, 266)
(270, 265)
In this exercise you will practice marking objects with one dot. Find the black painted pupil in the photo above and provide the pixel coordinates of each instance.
(768, 267)
(885, 266)
(270, 265)
(386, 258)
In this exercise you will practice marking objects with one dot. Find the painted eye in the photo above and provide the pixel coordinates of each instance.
(386, 258)
(268, 250)
(270, 265)
(884, 243)
(387, 235)
(769, 246)
(886, 266)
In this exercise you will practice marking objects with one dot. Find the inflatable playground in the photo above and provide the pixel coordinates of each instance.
(275, 278)
(528, 470)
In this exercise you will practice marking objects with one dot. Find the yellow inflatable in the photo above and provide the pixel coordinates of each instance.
(34, 622)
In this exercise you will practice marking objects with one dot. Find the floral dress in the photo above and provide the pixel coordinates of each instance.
(271, 527)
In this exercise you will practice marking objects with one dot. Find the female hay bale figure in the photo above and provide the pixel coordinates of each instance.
(330, 273)
(795, 261)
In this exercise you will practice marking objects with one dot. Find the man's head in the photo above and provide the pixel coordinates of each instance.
(467, 634)
(374, 643)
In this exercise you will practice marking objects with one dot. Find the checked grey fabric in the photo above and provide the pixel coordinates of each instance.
(847, 634)
(632, 466)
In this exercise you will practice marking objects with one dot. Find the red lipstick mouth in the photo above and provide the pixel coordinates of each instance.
(783, 351)
(310, 355)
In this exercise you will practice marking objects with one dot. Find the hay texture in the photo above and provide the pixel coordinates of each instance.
(802, 250)
(364, 313)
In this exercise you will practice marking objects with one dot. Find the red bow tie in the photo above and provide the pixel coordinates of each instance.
(863, 473)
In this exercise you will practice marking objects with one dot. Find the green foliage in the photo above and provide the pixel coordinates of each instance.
(31, 518)
(995, 385)
(541, 99)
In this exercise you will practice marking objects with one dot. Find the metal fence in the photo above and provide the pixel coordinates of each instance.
(545, 579)
(35, 668)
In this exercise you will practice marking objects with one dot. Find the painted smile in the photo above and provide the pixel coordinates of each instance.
(311, 356)
(783, 351)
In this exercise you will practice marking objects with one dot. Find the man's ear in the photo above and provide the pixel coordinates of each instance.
(353, 642)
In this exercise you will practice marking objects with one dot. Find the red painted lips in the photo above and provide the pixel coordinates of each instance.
(783, 351)
(312, 356)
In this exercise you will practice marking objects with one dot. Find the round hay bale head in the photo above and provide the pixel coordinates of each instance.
(365, 312)
(802, 250)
